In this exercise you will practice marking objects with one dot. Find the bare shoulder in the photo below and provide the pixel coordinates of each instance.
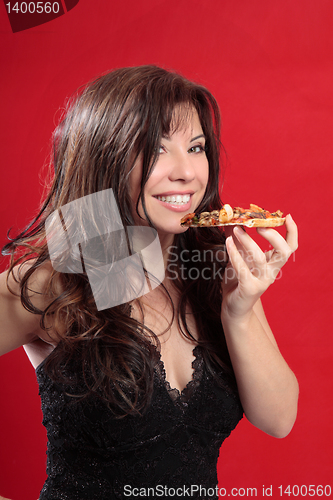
(18, 326)
(10, 285)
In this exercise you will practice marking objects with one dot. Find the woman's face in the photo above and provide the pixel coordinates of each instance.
(178, 181)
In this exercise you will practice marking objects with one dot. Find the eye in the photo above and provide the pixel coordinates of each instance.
(199, 148)
(161, 149)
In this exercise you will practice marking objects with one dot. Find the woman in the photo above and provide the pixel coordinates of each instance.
(142, 394)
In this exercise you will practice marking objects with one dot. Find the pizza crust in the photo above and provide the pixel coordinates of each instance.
(270, 222)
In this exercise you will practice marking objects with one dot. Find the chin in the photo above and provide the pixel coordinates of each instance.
(171, 229)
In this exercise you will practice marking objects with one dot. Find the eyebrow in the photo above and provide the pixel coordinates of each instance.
(197, 137)
(168, 138)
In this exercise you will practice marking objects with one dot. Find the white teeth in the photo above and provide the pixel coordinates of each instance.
(179, 199)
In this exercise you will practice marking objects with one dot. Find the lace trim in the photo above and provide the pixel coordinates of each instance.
(192, 385)
(197, 373)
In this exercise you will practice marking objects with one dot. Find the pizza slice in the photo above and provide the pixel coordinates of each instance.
(227, 216)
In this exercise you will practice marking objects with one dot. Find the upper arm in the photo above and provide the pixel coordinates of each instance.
(17, 325)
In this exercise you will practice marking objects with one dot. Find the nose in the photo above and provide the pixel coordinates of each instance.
(182, 168)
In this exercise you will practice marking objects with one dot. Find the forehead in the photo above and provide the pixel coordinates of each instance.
(184, 119)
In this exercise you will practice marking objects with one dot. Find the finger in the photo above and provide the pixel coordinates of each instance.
(254, 254)
(222, 255)
(292, 233)
(250, 253)
(240, 268)
(283, 247)
(241, 249)
(263, 266)
(251, 282)
(269, 254)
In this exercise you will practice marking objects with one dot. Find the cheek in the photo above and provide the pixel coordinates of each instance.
(203, 173)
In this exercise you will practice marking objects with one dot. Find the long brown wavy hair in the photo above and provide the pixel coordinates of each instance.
(107, 125)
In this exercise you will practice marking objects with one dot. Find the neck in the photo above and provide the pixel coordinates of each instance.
(166, 241)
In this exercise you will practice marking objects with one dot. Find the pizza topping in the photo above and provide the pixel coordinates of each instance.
(206, 219)
(257, 215)
(228, 216)
(226, 213)
(189, 218)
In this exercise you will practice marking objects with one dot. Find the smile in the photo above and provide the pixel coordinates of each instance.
(175, 199)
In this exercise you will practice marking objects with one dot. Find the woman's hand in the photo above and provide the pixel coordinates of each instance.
(250, 271)
(267, 387)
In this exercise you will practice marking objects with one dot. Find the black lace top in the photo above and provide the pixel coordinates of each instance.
(169, 451)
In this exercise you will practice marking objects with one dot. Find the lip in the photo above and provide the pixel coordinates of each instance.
(171, 193)
(175, 208)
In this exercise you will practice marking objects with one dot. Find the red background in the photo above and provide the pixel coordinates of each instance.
(270, 65)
